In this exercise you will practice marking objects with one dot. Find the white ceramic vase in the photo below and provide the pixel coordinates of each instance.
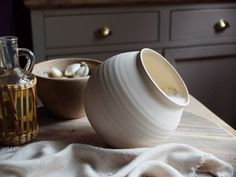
(126, 102)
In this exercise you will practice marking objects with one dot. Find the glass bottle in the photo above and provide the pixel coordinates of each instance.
(18, 123)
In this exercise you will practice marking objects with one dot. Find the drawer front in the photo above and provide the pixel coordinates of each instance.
(202, 24)
(80, 30)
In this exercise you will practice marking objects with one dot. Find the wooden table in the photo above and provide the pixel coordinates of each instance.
(199, 127)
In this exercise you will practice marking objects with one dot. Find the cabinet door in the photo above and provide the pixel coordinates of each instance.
(210, 75)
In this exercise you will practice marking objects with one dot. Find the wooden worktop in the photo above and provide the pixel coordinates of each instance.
(197, 108)
(199, 127)
(48, 4)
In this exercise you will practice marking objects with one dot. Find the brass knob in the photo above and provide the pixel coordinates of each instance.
(103, 32)
(221, 25)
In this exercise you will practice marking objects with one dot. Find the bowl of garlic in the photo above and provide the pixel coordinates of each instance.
(61, 85)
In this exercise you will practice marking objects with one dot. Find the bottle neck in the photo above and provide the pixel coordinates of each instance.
(8, 53)
(9, 70)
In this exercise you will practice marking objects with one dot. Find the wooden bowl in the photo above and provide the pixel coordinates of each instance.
(63, 97)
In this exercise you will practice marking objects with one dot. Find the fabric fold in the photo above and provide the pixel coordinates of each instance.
(56, 159)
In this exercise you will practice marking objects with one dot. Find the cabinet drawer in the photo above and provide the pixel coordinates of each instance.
(80, 30)
(201, 24)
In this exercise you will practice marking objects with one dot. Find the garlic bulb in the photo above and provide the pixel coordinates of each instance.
(55, 72)
(72, 69)
(83, 70)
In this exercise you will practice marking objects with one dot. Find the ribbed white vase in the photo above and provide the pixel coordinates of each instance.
(126, 102)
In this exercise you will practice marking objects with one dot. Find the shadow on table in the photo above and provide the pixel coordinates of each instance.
(53, 128)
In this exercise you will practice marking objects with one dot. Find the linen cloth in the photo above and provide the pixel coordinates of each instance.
(57, 159)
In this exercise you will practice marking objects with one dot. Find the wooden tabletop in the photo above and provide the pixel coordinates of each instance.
(43, 4)
(199, 127)
(197, 108)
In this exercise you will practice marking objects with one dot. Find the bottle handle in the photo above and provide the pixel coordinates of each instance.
(29, 55)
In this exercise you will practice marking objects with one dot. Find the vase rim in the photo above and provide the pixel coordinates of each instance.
(185, 89)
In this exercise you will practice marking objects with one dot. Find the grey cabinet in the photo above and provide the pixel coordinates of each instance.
(198, 39)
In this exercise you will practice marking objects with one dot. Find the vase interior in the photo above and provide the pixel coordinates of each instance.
(164, 76)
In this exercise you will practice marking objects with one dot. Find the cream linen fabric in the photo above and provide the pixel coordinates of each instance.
(55, 159)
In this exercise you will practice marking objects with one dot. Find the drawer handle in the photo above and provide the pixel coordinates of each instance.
(103, 32)
(221, 25)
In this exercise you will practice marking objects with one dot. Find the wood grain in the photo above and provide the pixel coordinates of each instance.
(197, 108)
(46, 4)
(193, 130)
